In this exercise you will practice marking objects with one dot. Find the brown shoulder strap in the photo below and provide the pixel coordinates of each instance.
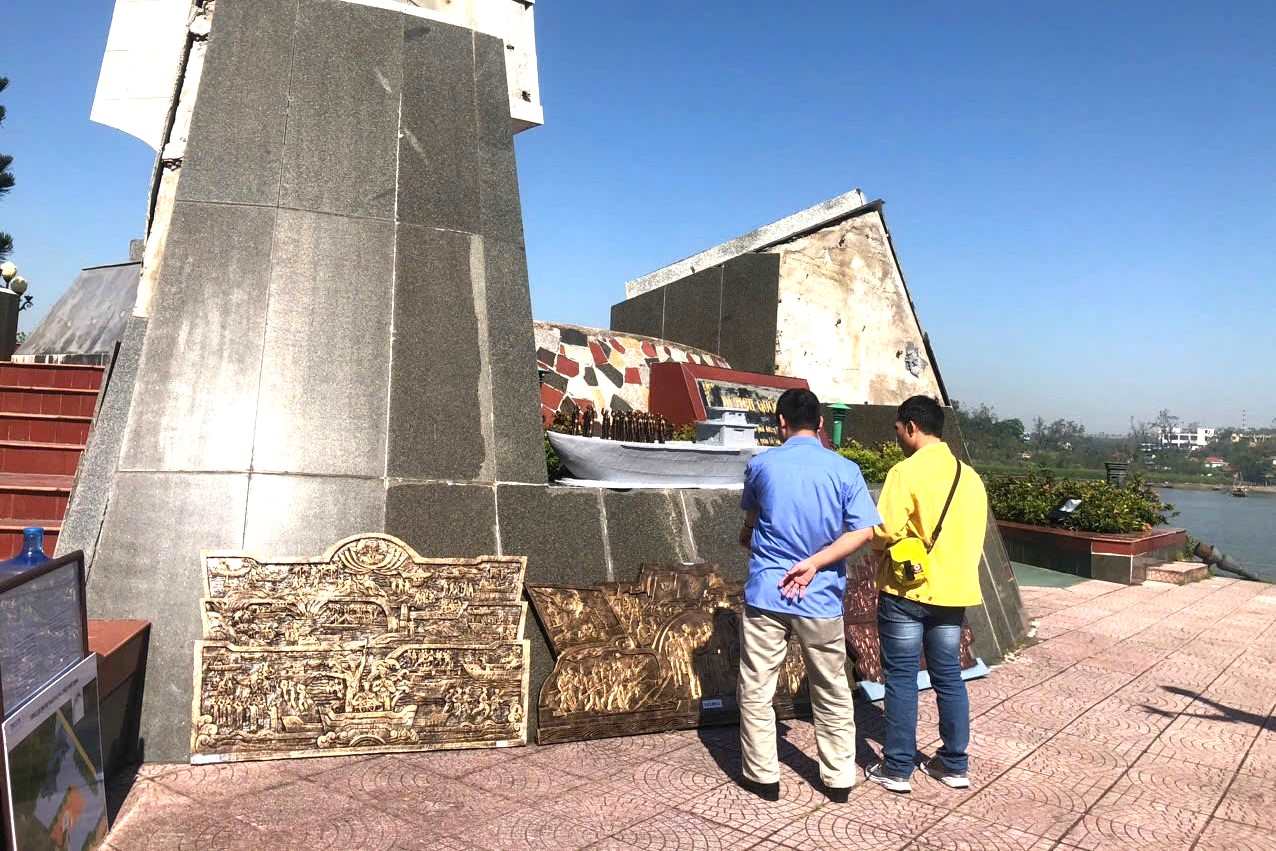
(939, 527)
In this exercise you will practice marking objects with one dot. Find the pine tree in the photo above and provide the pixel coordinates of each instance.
(6, 182)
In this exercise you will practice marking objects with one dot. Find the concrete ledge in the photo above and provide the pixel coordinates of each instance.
(812, 218)
(1123, 558)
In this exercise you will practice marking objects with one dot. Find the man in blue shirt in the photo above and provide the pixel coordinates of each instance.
(806, 510)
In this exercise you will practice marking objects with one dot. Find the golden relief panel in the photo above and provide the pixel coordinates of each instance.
(370, 648)
(658, 654)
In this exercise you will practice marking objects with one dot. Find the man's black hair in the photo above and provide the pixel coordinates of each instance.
(923, 412)
(800, 409)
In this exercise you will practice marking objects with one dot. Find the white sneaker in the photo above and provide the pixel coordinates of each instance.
(876, 774)
(935, 768)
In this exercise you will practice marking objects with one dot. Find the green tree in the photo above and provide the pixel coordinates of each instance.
(6, 181)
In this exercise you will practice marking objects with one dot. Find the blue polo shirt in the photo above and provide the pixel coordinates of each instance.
(806, 497)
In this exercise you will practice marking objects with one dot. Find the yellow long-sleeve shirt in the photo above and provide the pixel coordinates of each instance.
(910, 504)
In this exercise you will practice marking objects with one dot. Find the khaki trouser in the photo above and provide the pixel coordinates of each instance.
(763, 647)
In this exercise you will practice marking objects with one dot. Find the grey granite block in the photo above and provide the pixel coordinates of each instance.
(196, 388)
(303, 516)
(750, 304)
(442, 519)
(236, 140)
(644, 314)
(715, 519)
(645, 527)
(693, 306)
(438, 145)
(148, 566)
(559, 529)
(501, 214)
(518, 444)
(343, 114)
(1116, 568)
(437, 424)
(324, 389)
(87, 508)
(1002, 632)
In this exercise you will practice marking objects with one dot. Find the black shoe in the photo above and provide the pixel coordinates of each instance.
(765, 791)
(838, 794)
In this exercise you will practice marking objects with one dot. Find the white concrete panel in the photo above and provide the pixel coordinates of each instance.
(809, 219)
(140, 66)
(845, 322)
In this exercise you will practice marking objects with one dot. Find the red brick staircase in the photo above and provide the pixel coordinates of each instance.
(45, 414)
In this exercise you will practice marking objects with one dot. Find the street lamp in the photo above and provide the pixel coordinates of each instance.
(16, 284)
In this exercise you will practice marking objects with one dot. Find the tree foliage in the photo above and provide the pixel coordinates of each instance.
(6, 181)
(873, 463)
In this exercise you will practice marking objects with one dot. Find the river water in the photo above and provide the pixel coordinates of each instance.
(1245, 529)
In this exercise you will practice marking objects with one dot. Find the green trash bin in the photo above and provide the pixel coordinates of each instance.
(840, 414)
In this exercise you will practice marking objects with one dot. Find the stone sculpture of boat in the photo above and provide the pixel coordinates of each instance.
(676, 464)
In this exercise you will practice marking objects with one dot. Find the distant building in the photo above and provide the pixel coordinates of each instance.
(1194, 437)
(1213, 462)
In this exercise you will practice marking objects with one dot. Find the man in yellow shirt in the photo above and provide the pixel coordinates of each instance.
(925, 585)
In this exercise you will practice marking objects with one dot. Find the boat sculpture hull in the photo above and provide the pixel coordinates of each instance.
(674, 464)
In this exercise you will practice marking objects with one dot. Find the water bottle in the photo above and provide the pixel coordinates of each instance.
(32, 552)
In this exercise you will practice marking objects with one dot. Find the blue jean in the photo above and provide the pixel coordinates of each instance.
(906, 628)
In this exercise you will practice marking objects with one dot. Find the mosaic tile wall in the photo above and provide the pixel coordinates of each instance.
(594, 367)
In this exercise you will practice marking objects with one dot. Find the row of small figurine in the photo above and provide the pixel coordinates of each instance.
(631, 426)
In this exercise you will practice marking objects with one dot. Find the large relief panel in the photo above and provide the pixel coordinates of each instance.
(370, 648)
(658, 654)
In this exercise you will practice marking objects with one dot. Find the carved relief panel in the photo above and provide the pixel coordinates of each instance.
(370, 648)
(658, 654)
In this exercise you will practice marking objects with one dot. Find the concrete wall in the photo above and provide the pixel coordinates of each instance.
(335, 344)
(844, 321)
(730, 309)
(828, 305)
(147, 38)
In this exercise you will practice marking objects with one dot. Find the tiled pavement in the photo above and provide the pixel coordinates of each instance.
(1142, 719)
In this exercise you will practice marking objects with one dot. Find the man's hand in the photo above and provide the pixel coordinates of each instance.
(793, 585)
(746, 536)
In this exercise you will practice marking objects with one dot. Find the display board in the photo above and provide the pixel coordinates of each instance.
(43, 627)
(658, 654)
(368, 648)
(55, 790)
(686, 392)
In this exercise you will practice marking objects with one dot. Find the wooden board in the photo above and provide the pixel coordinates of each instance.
(658, 654)
(369, 648)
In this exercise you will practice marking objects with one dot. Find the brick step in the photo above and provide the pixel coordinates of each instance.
(11, 535)
(65, 376)
(63, 401)
(1179, 572)
(46, 459)
(24, 495)
(44, 428)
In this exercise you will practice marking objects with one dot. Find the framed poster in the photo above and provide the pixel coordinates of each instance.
(686, 393)
(54, 786)
(43, 628)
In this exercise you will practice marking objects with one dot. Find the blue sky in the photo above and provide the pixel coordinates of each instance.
(1081, 194)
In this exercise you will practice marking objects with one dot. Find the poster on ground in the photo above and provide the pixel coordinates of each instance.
(54, 784)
